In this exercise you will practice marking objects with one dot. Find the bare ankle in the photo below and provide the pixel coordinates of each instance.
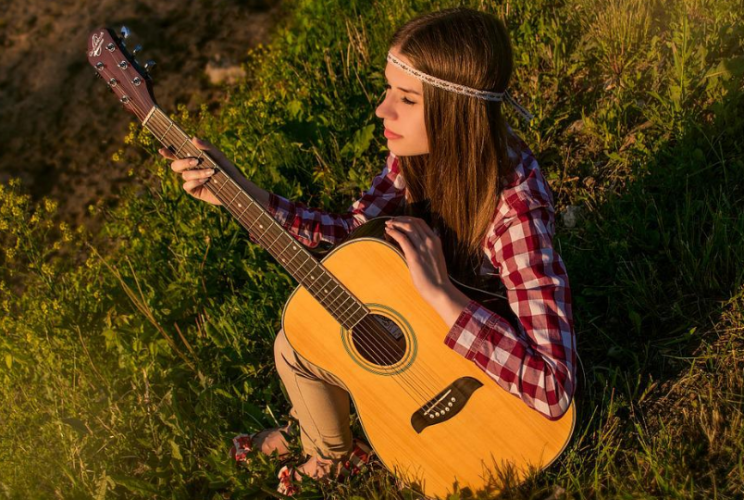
(318, 467)
(270, 440)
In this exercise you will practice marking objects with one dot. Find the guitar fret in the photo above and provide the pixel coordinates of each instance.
(317, 282)
(348, 297)
(351, 327)
(347, 316)
(182, 145)
(254, 222)
(268, 247)
(244, 210)
(302, 278)
(360, 308)
(293, 257)
(326, 290)
(279, 255)
(220, 188)
(334, 289)
(336, 297)
(165, 134)
(310, 286)
(346, 308)
(236, 195)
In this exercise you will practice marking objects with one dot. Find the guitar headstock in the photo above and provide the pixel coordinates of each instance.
(130, 81)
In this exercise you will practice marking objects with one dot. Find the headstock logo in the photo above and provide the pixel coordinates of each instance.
(97, 44)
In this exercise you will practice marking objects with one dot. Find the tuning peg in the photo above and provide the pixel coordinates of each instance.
(149, 65)
(125, 32)
(138, 48)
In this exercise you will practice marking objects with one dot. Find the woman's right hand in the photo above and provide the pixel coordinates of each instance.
(195, 177)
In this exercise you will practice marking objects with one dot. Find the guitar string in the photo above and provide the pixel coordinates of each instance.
(143, 114)
(228, 193)
(361, 328)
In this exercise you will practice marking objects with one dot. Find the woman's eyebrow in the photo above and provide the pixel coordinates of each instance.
(401, 88)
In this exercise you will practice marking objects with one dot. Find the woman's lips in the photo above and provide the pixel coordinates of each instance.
(392, 135)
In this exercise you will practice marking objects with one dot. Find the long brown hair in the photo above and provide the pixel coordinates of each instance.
(456, 186)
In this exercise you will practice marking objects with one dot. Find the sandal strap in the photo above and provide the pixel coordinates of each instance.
(360, 455)
(286, 486)
(243, 443)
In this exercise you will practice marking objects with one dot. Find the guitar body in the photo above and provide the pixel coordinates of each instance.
(492, 429)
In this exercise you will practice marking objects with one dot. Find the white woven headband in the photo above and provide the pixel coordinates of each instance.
(461, 89)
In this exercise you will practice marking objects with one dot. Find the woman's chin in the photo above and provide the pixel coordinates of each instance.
(401, 150)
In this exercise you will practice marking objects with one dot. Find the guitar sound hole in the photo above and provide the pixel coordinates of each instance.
(379, 340)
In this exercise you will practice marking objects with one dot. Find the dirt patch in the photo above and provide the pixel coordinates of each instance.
(60, 126)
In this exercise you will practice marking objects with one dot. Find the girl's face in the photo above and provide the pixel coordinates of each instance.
(402, 111)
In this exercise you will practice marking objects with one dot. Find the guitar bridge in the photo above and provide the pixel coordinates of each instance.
(446, 404)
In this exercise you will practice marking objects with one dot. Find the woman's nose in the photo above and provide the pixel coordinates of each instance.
(384, 110)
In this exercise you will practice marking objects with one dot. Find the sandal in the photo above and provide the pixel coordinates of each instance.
(243, 443)
(360, 455)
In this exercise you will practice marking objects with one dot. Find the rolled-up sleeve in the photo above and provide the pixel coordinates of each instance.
(537, 363)
(310, 226)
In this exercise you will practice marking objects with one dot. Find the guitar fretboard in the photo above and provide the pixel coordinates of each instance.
(294, 257)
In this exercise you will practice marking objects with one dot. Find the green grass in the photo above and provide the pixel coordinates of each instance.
(130, 358)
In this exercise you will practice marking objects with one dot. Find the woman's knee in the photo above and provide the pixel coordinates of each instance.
(283, 352)
(280, 346)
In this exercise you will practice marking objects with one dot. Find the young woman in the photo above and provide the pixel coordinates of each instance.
(475, 202)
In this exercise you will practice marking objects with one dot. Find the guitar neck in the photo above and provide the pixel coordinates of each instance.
(269, 234)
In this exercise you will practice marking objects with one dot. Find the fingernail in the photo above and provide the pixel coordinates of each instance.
(194, 163)
(210, 171)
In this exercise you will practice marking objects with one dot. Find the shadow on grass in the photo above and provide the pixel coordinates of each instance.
(650, 273)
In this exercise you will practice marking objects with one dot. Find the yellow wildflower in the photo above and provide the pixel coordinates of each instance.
(50, 205)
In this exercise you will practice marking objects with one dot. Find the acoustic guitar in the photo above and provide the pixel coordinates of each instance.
(435, 420)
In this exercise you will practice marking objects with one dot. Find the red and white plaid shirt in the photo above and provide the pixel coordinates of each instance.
(537, 362)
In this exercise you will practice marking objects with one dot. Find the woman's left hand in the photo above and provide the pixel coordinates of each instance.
(423, 251)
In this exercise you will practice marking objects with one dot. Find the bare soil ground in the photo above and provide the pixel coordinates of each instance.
(60, 126)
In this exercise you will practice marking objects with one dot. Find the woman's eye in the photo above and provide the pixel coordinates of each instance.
(404, 100)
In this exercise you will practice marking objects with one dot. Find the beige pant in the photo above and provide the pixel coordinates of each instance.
(320, 402)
